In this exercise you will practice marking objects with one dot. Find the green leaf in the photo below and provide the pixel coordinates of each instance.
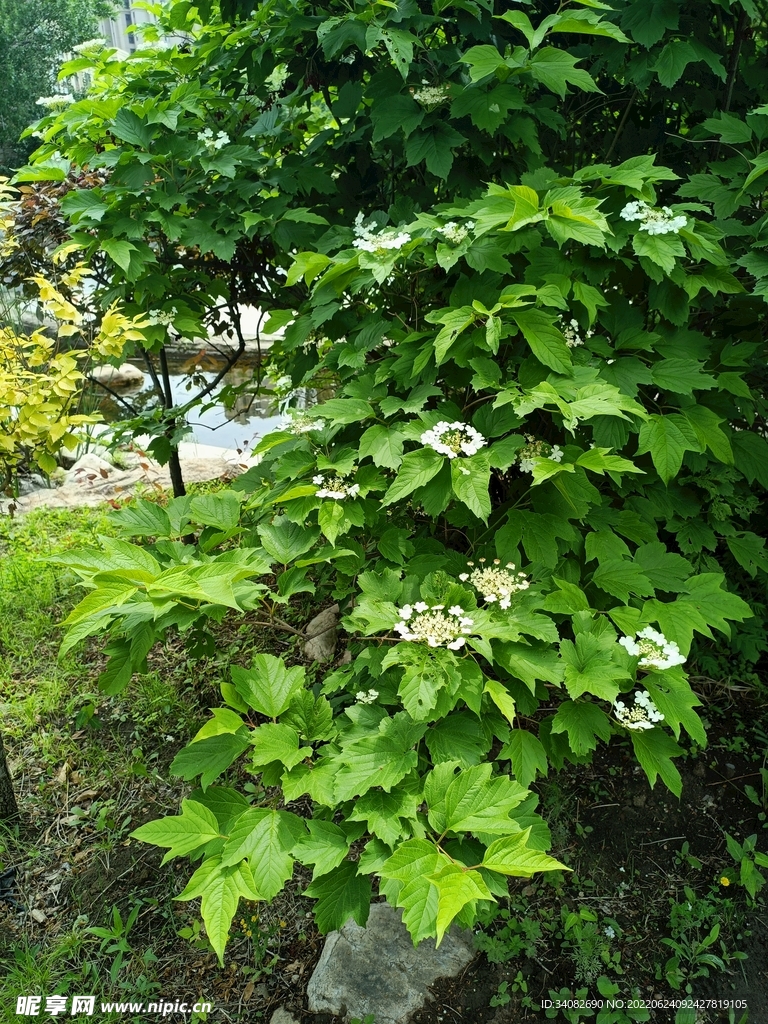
(209, 757)
(399, 43)
(673, 696)
(527, 755)
(659, 249)
(103, 599)
(706, 426)
(471, 801)
(648, 20)
(434, 146)
(265, 837)
(620, 578)
(502, 698)
(545, 341)
(483, 61)
(557, 69)
(749, 551)
(455, 321)
(456, 887)
(325, 847)
(332, 520)
(528, 663)
(416, 470)
(750, 452)
(220, 889)
(268, 686)
(380, 759)
(277, 742)
(394, 113)
(286, 541)
(383, 812)
(384, 445)
(221, 510)
(665, 570)
(131, 128)
(584, 723)
(119, 250)
(589, 668)
(663, 437)
(142, 518)
(513, 856)
(681, 376)
(182, 834)
(340, 894)
(470, 479)
(344, 410)
(655, 749)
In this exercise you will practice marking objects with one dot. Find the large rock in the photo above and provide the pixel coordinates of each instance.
(124, 376)
(321, 645)
(377, 970)
(281, 1016)
(90, 467)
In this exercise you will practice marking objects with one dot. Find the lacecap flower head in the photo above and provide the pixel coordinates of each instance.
(527, 455)
(334, 487)
(653, 221)
(434, 625)
(653, 649)
(453, 439)
(643, 715)
(495, 582)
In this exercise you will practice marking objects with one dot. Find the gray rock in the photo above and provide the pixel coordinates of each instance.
(124, 376)
(321, 645)
(90, 467)
(377, 970)
(281, 1016)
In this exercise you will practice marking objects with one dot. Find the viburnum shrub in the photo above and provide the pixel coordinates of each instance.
(547, 412)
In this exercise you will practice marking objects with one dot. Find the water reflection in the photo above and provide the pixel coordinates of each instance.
(232, 416)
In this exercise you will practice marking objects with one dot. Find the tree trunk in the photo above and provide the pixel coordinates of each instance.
(8, 808)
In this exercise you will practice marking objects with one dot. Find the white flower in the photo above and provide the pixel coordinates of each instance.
(527, 455)
(609, 932)
(366, 698)
(433, 625)
(431, 95)
(653, 649)
(211, 143)
(653, 221)
(453, 439)
(334, 487)
(302, 424)
(376, 241)
(89, 44)
(61, 99)
(644, 714)
(159, 316)
(456, 233)
(496, 582)
(571, 333)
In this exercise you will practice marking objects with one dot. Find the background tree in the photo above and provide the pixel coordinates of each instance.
(8, 808)
(34, 37)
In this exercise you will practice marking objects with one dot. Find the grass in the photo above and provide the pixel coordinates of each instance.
(87, 770)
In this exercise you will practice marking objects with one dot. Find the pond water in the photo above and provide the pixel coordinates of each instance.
(249, 418)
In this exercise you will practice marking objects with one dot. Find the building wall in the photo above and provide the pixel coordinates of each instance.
(117, 30)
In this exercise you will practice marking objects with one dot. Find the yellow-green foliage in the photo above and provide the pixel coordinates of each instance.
(41, 382)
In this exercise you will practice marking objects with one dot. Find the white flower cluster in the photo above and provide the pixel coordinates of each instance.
(453, 439)
(90, 44)
(494, 583)
(456, 233)
(302, 424)
(653, 649)
(375, 241)
(334, 488)
(159, 316)
(644, 715)
(431, 95)
(366, 698)
(61, 99)
(527, 455)
(434, 626)
(655, 222)
(212, 144)
(571, 333)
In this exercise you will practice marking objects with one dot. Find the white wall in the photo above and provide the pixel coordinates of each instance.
(116, 30)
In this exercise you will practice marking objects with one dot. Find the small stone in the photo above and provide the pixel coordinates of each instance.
(321, 645)
(376, 970)
(38, 915)
(281, 1016)
(124, 376)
